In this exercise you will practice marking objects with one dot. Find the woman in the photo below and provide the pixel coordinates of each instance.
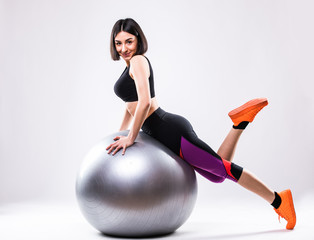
(136, 87)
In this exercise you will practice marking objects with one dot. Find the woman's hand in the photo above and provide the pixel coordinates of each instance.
(121, 142)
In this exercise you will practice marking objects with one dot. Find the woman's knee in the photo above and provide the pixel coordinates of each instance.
(211, 177)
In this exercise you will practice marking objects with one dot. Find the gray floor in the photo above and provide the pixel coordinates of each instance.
(44, 220)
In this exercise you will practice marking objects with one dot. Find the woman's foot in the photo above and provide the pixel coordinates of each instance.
(247, 112)
(286, 209)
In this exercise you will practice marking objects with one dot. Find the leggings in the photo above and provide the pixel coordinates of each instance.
(177, 134)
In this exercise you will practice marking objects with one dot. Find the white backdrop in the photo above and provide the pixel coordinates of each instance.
(208, 57)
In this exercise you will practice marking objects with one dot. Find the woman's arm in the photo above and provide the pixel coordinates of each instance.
(140, 72)
(127, 118)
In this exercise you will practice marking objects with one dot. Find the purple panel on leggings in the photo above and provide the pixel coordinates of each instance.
(203, 160)
(211, 177)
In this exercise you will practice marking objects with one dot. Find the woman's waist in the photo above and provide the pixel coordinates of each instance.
(131, 107)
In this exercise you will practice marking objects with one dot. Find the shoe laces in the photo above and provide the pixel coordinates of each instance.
(279, 215)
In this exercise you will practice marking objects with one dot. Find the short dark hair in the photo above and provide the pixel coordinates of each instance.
(132, 27)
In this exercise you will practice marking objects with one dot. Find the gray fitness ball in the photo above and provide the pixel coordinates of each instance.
(149, 191)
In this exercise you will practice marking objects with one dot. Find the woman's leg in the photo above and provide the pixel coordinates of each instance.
(215, 169)
(282, 202)
(228, 146)
(253, 184)
(240, 117)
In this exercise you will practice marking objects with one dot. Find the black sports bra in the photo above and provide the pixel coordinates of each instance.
(125, 86)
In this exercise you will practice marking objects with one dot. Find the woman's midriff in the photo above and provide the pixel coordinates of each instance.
(131, 107)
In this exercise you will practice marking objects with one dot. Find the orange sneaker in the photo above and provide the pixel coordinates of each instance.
(247, 111)
(286, 209)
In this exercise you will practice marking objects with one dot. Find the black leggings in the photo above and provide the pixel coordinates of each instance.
(177, 133)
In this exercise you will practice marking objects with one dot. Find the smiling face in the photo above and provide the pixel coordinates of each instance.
(126, 45)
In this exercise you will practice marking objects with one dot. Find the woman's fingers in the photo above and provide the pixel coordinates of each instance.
(112, 145)
(124, 148)
(108, 147)
(118, 149)
(116, 146)
(117, 138)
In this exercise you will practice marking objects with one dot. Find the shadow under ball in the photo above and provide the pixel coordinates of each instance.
(149, 191)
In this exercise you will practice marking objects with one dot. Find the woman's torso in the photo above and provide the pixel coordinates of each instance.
(131, 107)
(126, 90)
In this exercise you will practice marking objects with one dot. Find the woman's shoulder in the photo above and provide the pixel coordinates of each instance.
(139, 62)
(139, 59)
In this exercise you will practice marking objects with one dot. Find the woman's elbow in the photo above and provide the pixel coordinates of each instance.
(145, 103)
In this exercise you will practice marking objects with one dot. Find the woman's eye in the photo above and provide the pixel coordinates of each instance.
(118, 44)
(129, 42)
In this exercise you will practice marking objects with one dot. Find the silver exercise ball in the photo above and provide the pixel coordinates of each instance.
(149, 191)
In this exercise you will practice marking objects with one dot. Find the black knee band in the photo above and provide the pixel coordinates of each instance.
(236, 171)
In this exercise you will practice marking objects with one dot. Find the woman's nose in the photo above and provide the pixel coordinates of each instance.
(123, 48)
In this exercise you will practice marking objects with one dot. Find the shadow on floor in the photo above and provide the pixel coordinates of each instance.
(187, 235)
